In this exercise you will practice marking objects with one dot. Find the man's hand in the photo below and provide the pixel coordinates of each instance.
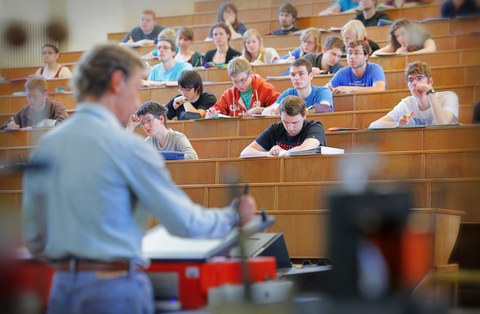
(317, 71)
(179, 101)
(421, 88)
(402, 51)
(405, 119)
(341, 90)
(246, 209)
(12, 126)
(275, 151)
(133, 122)
(211, 111)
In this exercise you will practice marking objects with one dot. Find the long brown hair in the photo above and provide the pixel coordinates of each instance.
(222, 8)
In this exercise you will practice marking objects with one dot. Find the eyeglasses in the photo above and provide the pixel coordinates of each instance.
(240, 81)
(417, 78)
(164, 47)
(48, 53)
(184, 89)
(149, 121)
(355, 53)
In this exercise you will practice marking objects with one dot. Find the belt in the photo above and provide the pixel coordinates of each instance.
(91, 265)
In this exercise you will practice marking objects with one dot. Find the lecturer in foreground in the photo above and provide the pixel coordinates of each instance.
(86, 214)
(293, 134)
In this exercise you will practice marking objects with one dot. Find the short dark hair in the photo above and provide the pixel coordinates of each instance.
(169, 40)
(189, 79)
(153, 108)
(365, 46)
(91, 75)
(302, 62)
(288, 8)
(221, 25)
(55, 48)
(332, 42)
(293, 105)
(476, 113)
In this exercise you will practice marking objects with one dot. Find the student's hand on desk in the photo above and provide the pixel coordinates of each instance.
(402, 51)
(246, 209)
(12, 126)
(252, 111)
(341, 90)
(317, 71)
(179, 101)
(275, 151)
(211, 111)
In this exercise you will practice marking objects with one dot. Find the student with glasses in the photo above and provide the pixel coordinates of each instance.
(152, 118)
(359, 75)
(309, 43)
(52, 69)
(193, 102)
(424, 106)
(168, 69)
(249, 95)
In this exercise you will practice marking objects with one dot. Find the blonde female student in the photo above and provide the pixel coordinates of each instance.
(254, 51)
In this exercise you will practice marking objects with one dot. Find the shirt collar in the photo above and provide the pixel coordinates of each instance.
(100, 112)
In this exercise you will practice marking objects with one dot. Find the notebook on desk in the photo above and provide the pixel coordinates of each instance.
(172, 155)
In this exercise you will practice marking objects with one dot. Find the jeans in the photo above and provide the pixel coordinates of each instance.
(96, 292)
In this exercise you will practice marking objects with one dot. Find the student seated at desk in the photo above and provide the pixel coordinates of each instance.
(369, 15)
(249, 95)
(328, 61)
(425, 106)
(147, 32)
(317, 98)
(309, 43)
(360, 75)
(255, 52)
(287, 15)
(52, 69)
(223, 53)
(168, 69)
(354, 30)
(184, 41)
(40, 110)
(152, 117)
(227, 14)
(193, 102)
(293, 133)
(407, 37)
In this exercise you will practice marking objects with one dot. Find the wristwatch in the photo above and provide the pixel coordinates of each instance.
(430, 91)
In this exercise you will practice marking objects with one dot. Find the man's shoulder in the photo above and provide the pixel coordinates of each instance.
(373, 67)
(290, 92)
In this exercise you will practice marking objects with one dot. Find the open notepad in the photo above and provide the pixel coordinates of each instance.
(218, 116)
(322, 150)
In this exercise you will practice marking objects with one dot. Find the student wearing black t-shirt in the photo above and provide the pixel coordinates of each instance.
(293, 133)
(370, 16)
(192, 103)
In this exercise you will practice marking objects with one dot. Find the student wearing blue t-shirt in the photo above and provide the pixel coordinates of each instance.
(317, 98)
(359, 76)
(168, 69)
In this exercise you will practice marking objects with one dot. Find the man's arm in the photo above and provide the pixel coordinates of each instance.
(59, 112)
(254, 149)
(309, 143)
(440, 114)
(185, 147)
(377, 87)
(384, 122)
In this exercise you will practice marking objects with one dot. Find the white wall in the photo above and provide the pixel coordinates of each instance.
(88, 21)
